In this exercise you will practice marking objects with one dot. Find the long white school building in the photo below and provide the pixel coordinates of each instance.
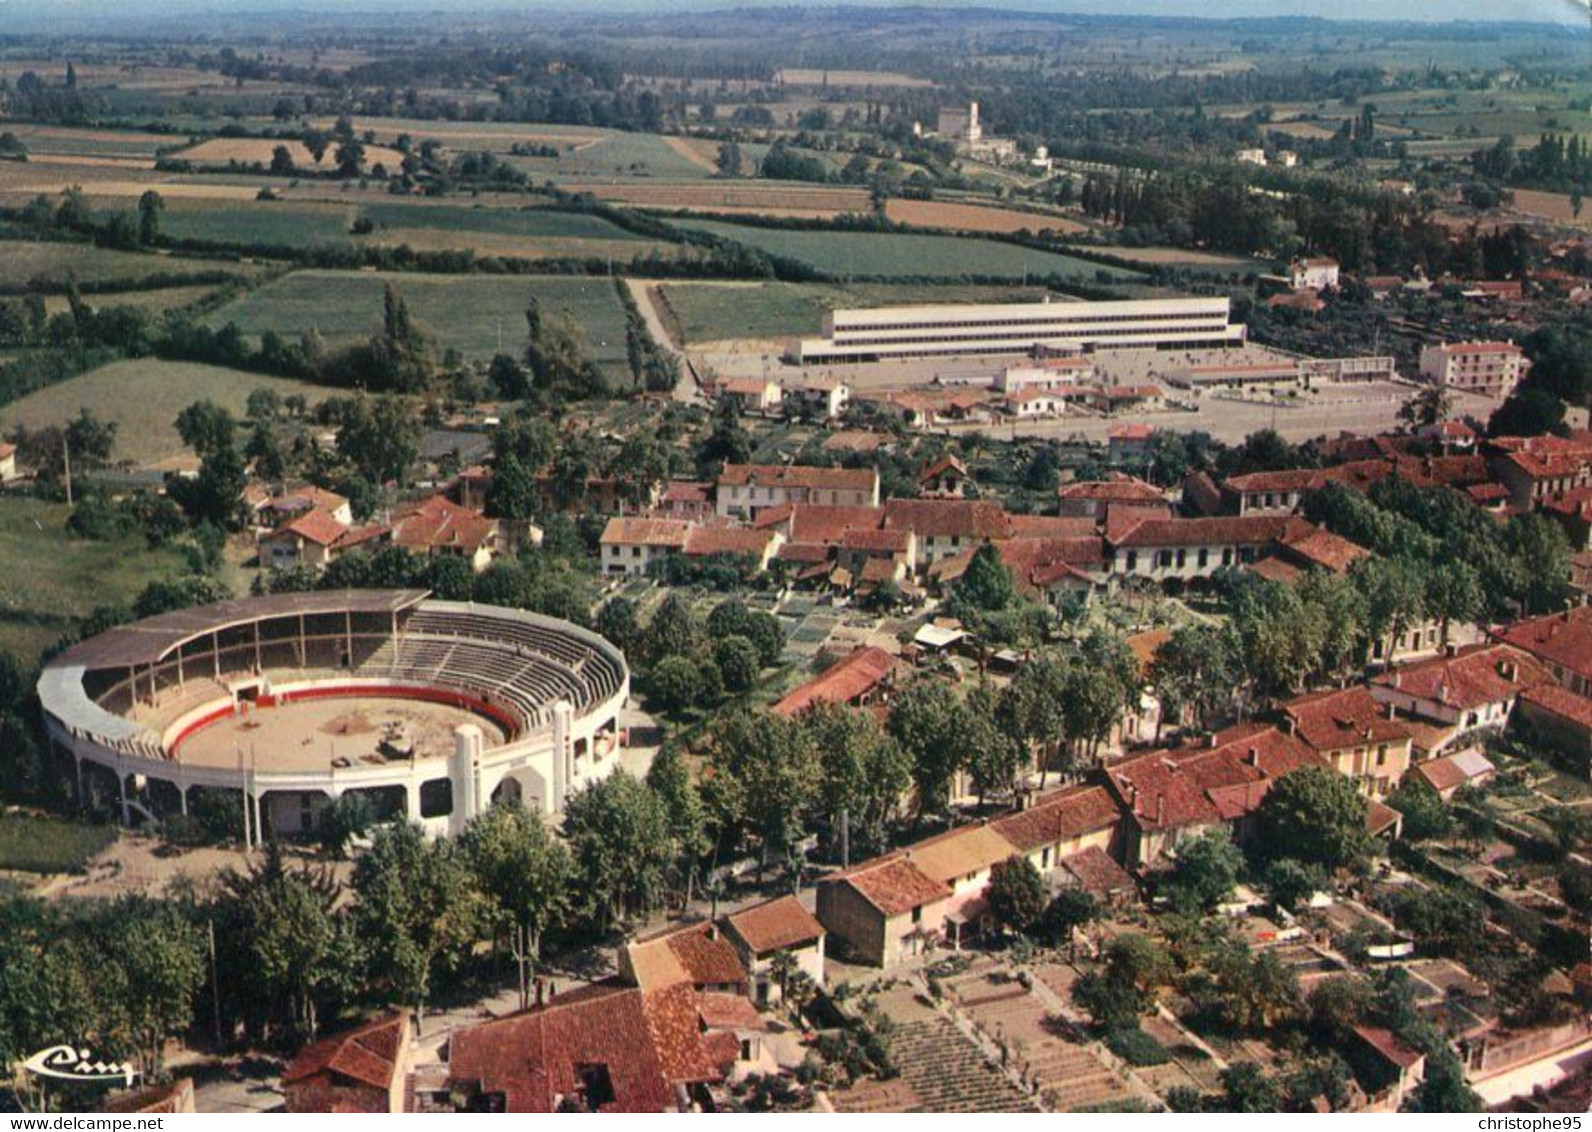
(1018, 328)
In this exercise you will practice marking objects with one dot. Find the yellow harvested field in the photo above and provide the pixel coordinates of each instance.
(86, 162)
(1176, 255)
(806, 76)
(249, 151)
(953, 217)
(766, 198)
(1550, 206)
(1303, 130)
(494, 136)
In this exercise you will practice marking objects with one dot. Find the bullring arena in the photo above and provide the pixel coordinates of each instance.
(433, 709)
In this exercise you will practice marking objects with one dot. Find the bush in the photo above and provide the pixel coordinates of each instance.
(1136, 1047)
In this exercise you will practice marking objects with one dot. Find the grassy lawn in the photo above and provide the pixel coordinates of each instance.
(31, 844)
(50, 580)
(274, 223)
(528, 233)
(465, 312)
(707, 312)
(143, 396)
(24, 261)
(885, 254)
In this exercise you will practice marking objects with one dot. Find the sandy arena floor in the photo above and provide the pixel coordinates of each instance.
(311, 734)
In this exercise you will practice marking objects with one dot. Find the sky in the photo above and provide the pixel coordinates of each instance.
(63, 13)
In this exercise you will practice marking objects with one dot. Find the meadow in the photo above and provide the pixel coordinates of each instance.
(893, 255)
(526, 233)
(25, 261)
(624, 154)
(32, 844)
(40, 606)
(143, 396)
(709, 312)
(474, 314)
(271, 223)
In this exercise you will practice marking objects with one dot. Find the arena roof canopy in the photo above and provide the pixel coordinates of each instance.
(147, 641)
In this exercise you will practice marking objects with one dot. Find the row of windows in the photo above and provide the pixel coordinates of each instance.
(1095, 328)
(1105, 335)
(1167, 559)
(1061, 320)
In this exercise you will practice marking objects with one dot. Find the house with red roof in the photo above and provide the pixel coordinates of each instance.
(883, 910)
(1092, 499)
(775, 927)
(1298, 553)
(358, 1070)
(1129, 441)
(945, 478)
(629, 546)
(1536, 468)
(1061, 823)
(945, 527)
(696, 954)
(1572, 510)
(1460, 691)
(437, 526)
(1354, 733)
(861, 678)
(756, 546)
(744, 490)
(608, 1047)
(1186, 549)
(314, 539)
(1562, 642)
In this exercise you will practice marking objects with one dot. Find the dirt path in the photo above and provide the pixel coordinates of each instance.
(696, 157)
(646, 297)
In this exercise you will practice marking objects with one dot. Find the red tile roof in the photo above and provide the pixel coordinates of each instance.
(728, 1012)
(649, 1042)
(645, 532)
(844, 682)
(702, 541)
(877, 542)
(894, 885)
(808, 522)
(1561, 702)
(1453, 771)
(1050, 526)
(352, 1070)
(438, 523)
(1059, 816)
(799, 475)
(1471, 678)
(947, 518)
(1320, 547)
(1249, 530)
(313, 526)
(775, 925)
(1289, 479)
(1120, 488)
(1564, 639)
(941, 466)
(1096, 872)
(1333, 720)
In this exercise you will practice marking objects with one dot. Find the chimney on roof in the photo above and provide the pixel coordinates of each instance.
(1253, 758)
(1509, 670)
(1392, 710)
(1160, 808)
(1210, 740)
(1289, 725)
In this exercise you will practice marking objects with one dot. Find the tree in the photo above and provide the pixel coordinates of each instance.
(617, 622)
(1069, 910)
(1314, 815)
(286, 951)
(1247, 1088)
(1426, 816)
(282, 161)
(1195, 673)
(1444, 1088)
(150, 206)
(1208, 869)
(671, 632)
(675, 682)
(993, 757)
(618, 833)
(211, 432)
(729, 159)
(1395, 590)
(739, 663)
(1432, 405)
(776, 767)
(864, 774)
(1292, 882)
(416, 908)
(669, 778)
(526, 876)
(379, 437)
(924, 719)
(986, 586)
(1016, 895)
(1529, 411)
(161, 963)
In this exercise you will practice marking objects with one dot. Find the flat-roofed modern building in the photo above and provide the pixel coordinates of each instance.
(1018, 328)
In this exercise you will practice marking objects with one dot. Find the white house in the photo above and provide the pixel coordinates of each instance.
(1313, 274)
(629, 546)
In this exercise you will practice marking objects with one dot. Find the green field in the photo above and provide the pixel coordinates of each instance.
(273, 223)
(473, 314)
(633, 155)
(709, 312)
(50, 580)
(22, 261)
(144, 396)
(891, 255)
(31, 844)
(525, 233)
